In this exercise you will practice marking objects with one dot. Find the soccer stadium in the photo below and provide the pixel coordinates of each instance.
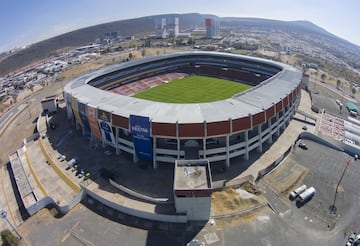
(130, 108)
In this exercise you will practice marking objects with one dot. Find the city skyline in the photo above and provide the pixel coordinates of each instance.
(29, 22)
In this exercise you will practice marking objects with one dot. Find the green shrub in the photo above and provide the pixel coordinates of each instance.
(9, 239)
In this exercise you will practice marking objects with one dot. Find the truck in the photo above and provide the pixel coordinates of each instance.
(297, 192)
(307, 194)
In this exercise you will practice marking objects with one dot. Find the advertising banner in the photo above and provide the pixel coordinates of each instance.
(103, 115)
(104, 119)
(67, 99)
(75, 109)
(107, 133)
(93, 123)
(140, 131)
(83, 118)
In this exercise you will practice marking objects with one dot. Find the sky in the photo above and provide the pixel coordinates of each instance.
(23, 22)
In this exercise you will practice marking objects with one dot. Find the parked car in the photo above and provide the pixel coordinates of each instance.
(307, 194)
(75, 167)
(82, 173)
(295, 193)
(61, 158)
(87, 175)
(303, 145)
(351, 239)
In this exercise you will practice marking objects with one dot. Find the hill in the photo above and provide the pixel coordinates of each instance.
(300, 30)
(85, 36)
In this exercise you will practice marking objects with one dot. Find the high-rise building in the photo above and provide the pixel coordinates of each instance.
(164, 33)
(212, 28)
(176, 27)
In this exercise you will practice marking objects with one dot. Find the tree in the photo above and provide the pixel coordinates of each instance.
(31, 87)
(131, 56)
(158, 52)
(147, 43)
(9, 239)
(353, 91)
(338, 83)
(323, 77)
(14, 97)
(143, 53)
(190, 41)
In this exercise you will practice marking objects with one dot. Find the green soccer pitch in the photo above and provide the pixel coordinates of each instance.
(193, 89)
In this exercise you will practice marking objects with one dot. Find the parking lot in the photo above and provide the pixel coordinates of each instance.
(320, 167)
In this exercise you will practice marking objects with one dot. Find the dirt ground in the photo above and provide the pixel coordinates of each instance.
(286, 177)
(230, 201)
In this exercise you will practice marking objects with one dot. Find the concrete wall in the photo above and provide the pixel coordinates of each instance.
(136, 212)
(46, 201)
(49, 106)
(141, 196)
(31, 138)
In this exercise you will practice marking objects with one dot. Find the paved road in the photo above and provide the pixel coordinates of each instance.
(84, 227)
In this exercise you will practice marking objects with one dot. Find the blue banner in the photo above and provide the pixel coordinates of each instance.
(107, 133)
(140, 131)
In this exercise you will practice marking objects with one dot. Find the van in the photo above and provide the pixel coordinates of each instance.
(297, 192)
(307, 194)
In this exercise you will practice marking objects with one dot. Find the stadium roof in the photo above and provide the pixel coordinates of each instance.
(248, 102)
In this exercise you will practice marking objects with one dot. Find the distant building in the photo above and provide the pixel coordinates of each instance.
(164, 32)
(212, 28)
(168, 27)
(176, 26)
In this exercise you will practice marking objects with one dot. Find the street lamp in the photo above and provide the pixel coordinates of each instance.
(333, 208)
(3, 215)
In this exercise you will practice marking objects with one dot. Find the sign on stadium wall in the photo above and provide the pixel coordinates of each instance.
(140, 132)
(107, 133)
(75, 109)
(67, 99)
(93, 122)
(103, 115)
(82, 113)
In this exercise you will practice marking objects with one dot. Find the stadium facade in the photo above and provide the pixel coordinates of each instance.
(165, 132)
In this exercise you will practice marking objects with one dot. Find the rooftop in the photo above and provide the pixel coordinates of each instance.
(192, 175)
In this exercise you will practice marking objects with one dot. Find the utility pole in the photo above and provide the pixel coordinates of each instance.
(333, 208)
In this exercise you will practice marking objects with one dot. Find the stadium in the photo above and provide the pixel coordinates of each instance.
(102, 105)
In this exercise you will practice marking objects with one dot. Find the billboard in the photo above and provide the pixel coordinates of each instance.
(67, 99)
(140, 131)
(82, 113)
(93, 123)
(104, 120)
(75, 109)
(107, 133)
